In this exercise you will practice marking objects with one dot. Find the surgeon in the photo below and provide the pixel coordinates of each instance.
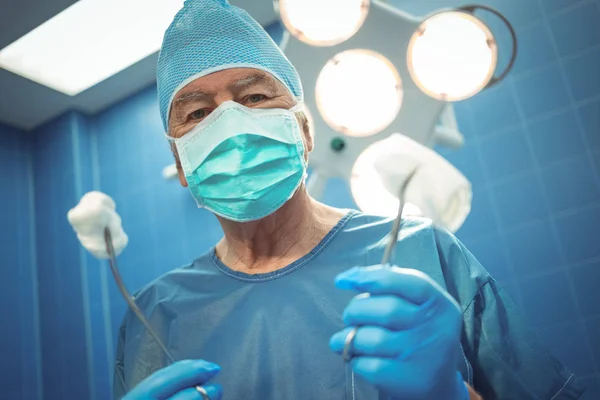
(267, 313)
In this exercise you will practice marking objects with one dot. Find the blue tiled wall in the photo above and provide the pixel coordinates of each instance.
(19, 319)
(59, 166)
(532, 153)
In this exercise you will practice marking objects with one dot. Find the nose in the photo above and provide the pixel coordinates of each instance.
(222, 97)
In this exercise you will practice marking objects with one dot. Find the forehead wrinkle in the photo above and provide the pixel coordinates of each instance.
(247, 81)
(253, 80)
(191, 96)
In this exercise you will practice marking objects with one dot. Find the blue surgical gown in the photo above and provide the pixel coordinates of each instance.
(270, 332)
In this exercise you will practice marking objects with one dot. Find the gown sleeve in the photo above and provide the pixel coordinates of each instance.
(507, 358)
(119, 386)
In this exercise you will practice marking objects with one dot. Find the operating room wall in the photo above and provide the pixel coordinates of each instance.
(20, 375)
(59, 175)
(532, 153)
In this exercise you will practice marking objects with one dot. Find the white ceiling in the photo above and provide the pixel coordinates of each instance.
(26, 104)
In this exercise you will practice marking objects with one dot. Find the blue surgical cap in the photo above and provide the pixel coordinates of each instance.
(207, 36)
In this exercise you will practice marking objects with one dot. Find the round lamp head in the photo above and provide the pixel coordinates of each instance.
(359, 93)
(323, 22)
(452, 56)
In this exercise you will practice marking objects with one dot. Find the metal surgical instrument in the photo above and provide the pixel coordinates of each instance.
(387, 256)
(112, 260)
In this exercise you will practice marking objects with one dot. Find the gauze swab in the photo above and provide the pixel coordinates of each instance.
(99, 229)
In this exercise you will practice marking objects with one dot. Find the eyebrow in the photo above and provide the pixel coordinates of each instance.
(253, 80)
(192, 96)
(242, 83)
(245, 82)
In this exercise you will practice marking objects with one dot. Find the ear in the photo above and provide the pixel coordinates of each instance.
(310, 140)
(181, 176)
(180, 173)
(307, 135)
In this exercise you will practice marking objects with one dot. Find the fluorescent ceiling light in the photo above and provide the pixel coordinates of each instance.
(89, 42)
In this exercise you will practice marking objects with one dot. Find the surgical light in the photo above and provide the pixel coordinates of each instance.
(323, 22)
(453, 55)
(359, 93)
(89, 42)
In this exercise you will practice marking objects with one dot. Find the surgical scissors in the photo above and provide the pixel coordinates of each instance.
(387, 256)
(112, 260)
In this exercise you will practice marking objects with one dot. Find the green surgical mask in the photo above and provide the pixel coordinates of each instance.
(243, 164)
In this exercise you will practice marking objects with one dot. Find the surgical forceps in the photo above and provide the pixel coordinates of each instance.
(385, 261)
(112, 260)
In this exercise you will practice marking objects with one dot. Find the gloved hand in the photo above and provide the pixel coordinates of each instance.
(178, 382)
(407, 343)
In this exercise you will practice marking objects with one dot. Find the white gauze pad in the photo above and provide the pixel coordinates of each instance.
(89, 218)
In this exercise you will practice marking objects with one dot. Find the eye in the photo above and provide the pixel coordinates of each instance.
(256, 98)
(198, 114)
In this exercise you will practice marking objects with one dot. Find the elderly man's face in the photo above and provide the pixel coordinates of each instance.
(249, 87)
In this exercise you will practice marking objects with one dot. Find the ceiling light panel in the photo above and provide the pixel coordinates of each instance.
(89, 42)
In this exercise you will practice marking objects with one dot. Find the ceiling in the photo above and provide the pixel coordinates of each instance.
(25, 104)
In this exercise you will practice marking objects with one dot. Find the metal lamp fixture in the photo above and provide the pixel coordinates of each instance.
(334, 22)
(370, 70)
(361, 73)
(465, 48)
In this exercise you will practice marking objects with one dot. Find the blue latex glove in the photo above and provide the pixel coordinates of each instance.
(177, 382)
(407, 344)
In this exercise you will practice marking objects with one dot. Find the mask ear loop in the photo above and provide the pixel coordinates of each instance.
(300, 107)
(173, 141)
(170, 139)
